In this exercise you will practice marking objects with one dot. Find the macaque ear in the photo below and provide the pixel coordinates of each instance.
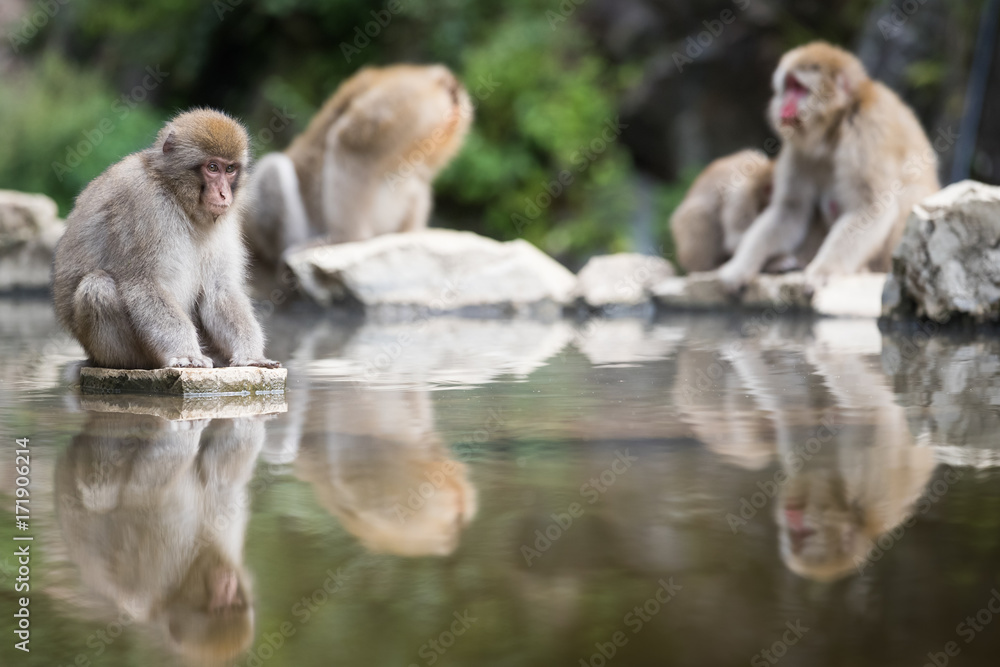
(170, 143)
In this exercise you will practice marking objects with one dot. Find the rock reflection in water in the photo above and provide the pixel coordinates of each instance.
(153, 514)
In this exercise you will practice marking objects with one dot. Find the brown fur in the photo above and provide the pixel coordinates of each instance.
(722, 203)
(153, 515)
(855, 152)
(365, 164)
(147, 275)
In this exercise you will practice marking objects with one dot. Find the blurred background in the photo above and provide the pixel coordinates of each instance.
(633, 97)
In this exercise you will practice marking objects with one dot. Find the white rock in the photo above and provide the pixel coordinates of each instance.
(623, 279)
(29, 231)
(948, 262)
(435, 270)
(838, 296)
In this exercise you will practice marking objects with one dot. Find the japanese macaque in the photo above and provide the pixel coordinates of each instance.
(364, 165)
(721, 205)
(850, 469)
(150, 271)
(852, 149)
(153, 514)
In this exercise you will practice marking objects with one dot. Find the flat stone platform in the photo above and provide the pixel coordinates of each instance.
(175, 408)
(188, 382)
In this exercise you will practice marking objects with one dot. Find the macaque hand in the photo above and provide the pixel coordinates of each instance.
(191, 361)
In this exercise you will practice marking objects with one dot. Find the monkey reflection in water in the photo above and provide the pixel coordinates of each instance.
(379, 466)
(850, 471)
(153, 515)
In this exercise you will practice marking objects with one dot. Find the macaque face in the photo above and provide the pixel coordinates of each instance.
(805, 98)
(820, 536)
(219, 179)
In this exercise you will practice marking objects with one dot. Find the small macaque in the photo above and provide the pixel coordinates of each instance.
(721, 204)
(365, 164)
(851, 150)
(150, 271)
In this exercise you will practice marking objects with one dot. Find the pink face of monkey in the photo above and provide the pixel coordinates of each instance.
(219, 178)
(812, 85)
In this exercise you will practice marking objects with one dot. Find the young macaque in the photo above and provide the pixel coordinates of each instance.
(365, 164)
(721, 205)
(851, 149)
(718, 209)
(150, 271)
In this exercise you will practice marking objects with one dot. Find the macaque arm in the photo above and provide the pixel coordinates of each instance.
(778, 231)
(160, 322)
(420, 211)
(228, 319)
(854, 239)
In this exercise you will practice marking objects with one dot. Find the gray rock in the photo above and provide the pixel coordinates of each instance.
(29, 230)
(176, 408)
(839, 296)
(951, 389)
(229, 381)
(621, 281)
(948, 262)
(436, 271)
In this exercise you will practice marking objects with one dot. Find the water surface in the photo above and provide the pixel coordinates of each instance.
(698, 491)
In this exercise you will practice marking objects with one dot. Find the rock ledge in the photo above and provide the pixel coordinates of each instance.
(191, 382)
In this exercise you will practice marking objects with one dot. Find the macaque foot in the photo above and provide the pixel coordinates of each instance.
(783, 264)
(194, 361)
(733, 280)
(260, 363)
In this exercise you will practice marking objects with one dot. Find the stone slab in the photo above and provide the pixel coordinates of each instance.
(838, 296)
(229, 381)
(182, 408)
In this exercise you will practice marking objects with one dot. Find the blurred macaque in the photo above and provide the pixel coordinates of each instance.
(153, 515)
(852, 149)
(850, 470)
(721, 205)
(365, 164)
(379, 467)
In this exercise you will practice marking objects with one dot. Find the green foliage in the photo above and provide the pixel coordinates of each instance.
(544, 160)
(61, 127)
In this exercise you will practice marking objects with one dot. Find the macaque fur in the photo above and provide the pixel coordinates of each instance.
(852, 149)
(150, 271)
(721, 205)
(365, 164)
